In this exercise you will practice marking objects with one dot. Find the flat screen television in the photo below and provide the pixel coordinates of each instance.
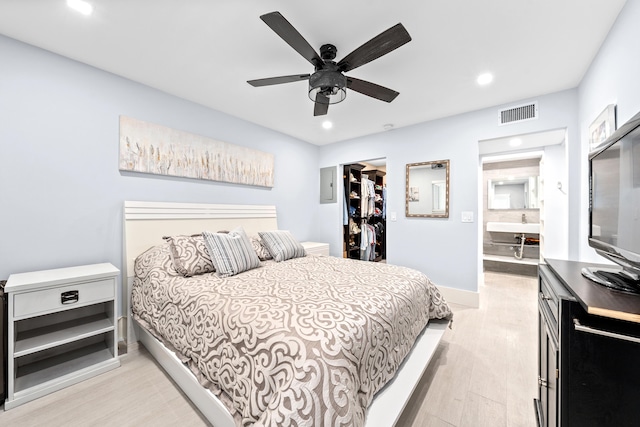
(614, 207)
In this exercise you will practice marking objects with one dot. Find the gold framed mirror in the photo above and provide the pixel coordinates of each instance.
(427, 189)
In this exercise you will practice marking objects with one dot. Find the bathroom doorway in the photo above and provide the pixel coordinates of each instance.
(511, 214)
(515, 197)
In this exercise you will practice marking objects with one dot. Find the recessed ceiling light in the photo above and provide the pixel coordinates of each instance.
(485, 79)
(388, 126)
(81, 6)
(327, 124)
(515, 142)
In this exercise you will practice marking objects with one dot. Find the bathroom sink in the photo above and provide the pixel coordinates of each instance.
(513, 227)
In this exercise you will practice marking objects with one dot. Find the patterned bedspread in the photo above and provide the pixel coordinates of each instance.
(303, 342)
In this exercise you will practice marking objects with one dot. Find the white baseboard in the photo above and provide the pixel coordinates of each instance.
(461, 297)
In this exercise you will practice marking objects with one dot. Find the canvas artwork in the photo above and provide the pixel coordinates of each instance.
(151, 148)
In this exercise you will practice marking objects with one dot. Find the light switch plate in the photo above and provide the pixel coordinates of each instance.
(467, 216)
(392, 216)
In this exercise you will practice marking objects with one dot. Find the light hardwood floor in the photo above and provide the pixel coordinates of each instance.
(483, 373)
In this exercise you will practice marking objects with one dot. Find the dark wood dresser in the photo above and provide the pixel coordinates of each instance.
(589, 351)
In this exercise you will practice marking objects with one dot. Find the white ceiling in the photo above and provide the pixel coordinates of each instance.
(206, 50)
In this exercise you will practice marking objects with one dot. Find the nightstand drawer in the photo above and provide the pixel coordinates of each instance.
(62, 298)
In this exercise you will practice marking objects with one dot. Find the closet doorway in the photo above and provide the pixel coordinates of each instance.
(364, 225)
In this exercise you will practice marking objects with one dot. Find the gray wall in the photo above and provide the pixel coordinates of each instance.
(447, 250)
(61, 191)
(612, 78)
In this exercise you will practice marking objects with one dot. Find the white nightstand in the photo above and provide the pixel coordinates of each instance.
(62, 329)
(316, 248)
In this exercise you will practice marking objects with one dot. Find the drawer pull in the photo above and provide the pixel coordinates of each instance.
(542, 382)
(582, 328)
(69, 297)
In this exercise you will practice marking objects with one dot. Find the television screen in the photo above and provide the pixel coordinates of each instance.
(615, 197)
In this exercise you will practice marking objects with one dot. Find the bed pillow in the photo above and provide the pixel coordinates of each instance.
(261, 250)
(282, 245)
(190, 255)
(231, 252)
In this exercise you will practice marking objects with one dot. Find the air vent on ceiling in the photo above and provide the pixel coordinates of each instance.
(519, 113)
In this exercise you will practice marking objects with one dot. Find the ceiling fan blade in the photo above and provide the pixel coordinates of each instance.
(278, 80)
(381, 44)
(289, 34)
(371, 89)
(321, 106)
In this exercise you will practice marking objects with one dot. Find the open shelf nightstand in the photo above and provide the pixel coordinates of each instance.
(62, 329)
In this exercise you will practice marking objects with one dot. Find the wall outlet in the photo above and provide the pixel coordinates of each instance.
(392, 216)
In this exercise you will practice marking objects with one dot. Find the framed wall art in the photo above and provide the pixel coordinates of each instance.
(602, 127)
(155, 149)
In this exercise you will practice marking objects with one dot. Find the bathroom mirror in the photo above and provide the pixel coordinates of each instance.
(427, 189)
(513, 193)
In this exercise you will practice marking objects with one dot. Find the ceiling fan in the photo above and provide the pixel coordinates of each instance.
(328, 84)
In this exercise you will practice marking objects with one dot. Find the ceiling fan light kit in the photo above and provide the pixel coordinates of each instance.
(328, 85)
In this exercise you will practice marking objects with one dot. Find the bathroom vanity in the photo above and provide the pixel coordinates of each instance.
(512, 242)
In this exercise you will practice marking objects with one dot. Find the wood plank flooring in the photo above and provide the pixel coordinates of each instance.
(485, 370)
(483, 374)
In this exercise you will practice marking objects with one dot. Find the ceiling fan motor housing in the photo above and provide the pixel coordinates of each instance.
(328, 52)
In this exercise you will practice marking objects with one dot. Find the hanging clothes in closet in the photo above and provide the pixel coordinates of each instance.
(367, 207)
(368, 197)
(384, 202)
(367, 243)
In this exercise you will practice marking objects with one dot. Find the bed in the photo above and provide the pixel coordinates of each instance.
(305, 340)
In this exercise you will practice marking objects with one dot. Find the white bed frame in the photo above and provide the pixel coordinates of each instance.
(145, 223)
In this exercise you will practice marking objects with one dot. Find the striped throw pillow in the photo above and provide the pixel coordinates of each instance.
(231, 253)
(282, 245)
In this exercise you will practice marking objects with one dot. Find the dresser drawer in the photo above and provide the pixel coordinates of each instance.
(551, 291)
(62, 297)
(547, 296)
